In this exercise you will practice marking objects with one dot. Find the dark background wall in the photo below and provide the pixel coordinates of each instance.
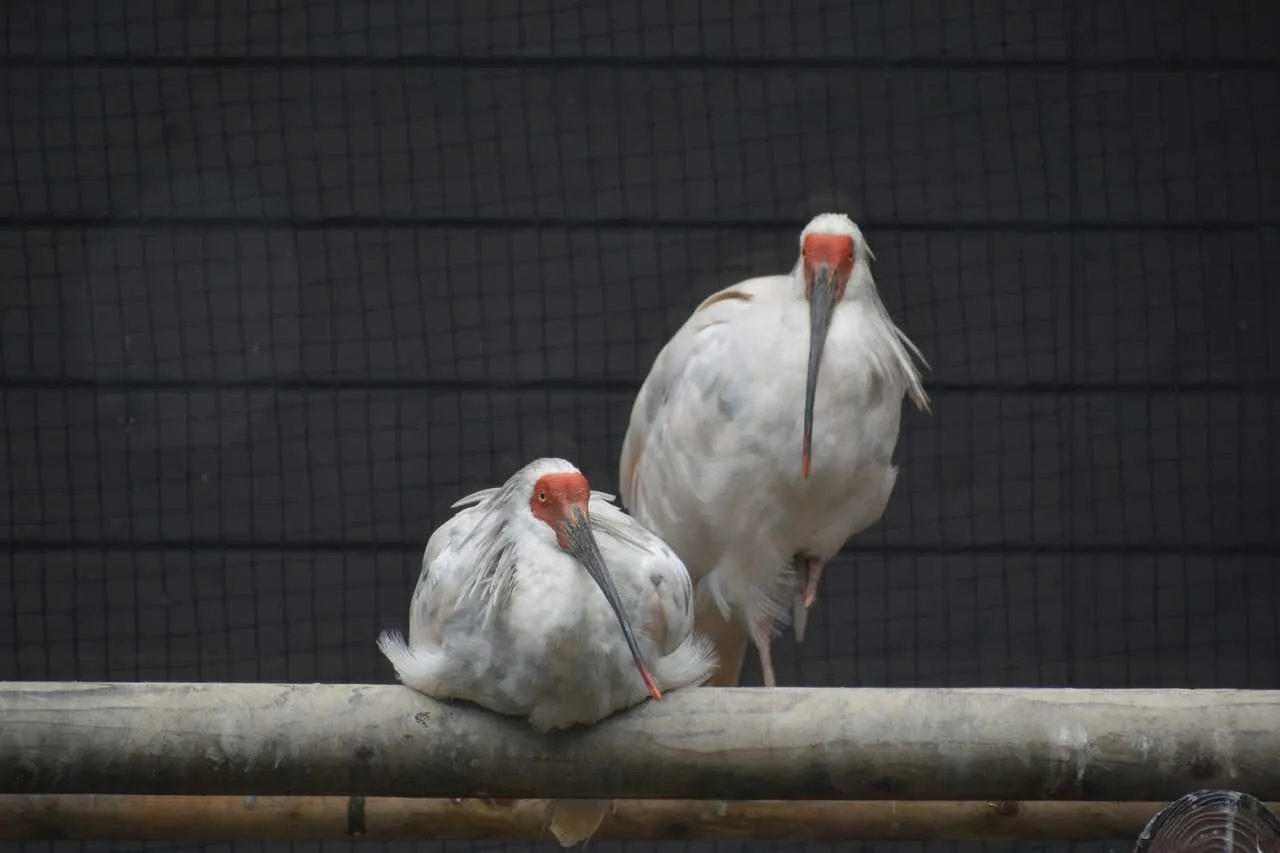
(280, 281)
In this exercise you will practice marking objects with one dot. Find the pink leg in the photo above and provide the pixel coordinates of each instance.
(808, 574)
(813, 574)
(762, 639)
(765, 649)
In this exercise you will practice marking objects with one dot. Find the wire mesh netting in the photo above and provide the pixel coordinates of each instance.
(281, 281)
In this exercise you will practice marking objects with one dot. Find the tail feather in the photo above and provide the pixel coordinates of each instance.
(575, 821)
(420, 669)
(692, 663)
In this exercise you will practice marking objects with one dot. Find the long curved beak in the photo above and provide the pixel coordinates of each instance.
(582, 544)
(823, 296)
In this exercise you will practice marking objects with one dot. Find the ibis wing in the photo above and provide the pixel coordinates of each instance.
(681, 416)
(442, 581)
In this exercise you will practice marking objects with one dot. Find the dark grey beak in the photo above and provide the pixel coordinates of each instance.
(822, 304)
(583, 546)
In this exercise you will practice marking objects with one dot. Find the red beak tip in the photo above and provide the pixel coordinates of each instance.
(653, 687)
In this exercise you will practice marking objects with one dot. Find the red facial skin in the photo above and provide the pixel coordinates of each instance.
(832, 250)
(555, 497)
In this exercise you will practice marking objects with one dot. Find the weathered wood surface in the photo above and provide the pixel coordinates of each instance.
(92, 817)
(706, 744)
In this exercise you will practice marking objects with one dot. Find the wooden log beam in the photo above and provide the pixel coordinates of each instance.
(707, 744)
(226, 818)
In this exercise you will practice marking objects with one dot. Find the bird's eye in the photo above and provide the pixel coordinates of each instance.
(542, 496)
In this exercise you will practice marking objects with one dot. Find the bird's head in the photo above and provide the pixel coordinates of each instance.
(560, 499)
(832, 251)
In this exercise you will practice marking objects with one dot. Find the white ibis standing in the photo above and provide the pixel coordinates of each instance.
(763, 436)
(543, 600)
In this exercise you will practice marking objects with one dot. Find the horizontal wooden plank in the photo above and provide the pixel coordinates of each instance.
(880, 621)
(628, 28)
(708, 744)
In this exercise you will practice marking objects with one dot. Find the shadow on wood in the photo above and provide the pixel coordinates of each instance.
(143, 818)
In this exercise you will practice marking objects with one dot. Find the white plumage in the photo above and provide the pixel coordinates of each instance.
(716, 461)
(512, 612)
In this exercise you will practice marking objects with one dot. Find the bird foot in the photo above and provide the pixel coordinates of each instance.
(808, 574)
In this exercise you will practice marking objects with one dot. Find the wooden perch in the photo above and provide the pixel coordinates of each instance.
(175, 819)
(704, 744)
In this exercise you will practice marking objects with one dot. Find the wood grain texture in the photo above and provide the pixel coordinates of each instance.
(708, 744)
(230, 818)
